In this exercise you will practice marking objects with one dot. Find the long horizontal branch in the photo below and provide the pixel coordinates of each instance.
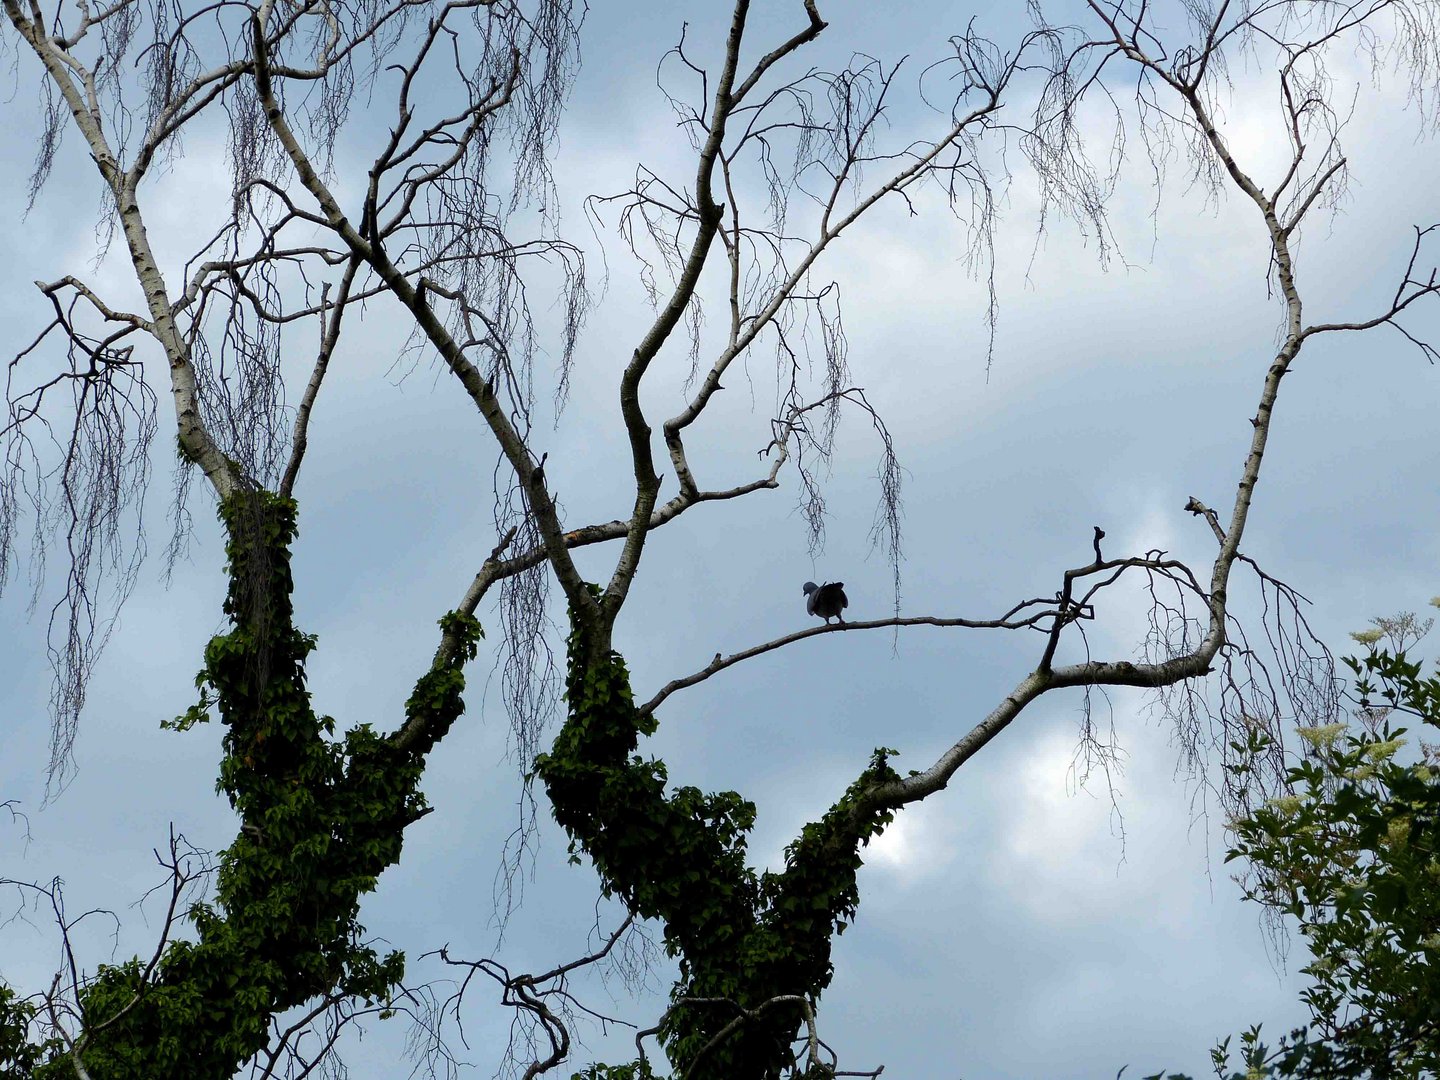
(720, 663)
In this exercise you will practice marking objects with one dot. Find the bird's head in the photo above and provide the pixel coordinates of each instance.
(809, 587)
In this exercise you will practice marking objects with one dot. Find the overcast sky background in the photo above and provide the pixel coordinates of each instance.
(1006, 928)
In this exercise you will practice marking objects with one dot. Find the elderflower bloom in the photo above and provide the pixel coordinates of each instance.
(1398, 831)
(1286, 804)
(1367, 637)
(1322, 736)
(1380, 751)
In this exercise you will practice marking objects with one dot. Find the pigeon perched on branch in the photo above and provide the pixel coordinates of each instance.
(827, 601)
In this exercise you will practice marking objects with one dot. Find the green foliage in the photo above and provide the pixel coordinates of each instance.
(20, 1057)
(634, 1070)
(742, 939)
(321, 819)
(1353, 855)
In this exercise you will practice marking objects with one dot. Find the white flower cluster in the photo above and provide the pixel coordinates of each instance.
(1323, 736)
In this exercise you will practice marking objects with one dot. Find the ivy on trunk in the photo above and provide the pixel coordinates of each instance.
(679, 856)
(320, 819)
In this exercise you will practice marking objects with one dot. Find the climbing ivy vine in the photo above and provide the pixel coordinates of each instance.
(743, 939)
(321, 817)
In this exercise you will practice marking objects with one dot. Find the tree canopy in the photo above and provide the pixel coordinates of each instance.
(392, 164)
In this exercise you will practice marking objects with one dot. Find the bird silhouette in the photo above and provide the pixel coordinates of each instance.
(826, 601)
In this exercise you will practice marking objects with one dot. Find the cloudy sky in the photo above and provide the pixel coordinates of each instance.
(1018, 924)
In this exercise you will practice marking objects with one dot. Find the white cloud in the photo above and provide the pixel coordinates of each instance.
(917, 849)
(1057, 854)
